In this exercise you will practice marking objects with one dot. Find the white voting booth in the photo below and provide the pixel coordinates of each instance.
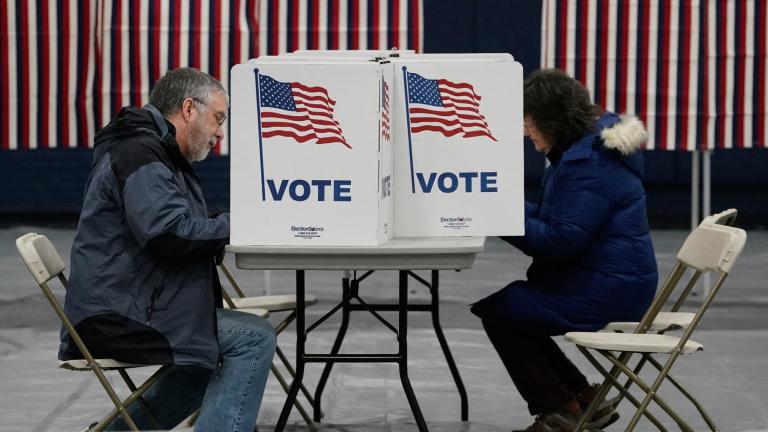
(407, 146)
(458, 146)
(309, 163)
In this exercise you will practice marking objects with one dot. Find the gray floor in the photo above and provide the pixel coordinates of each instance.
(729, 376)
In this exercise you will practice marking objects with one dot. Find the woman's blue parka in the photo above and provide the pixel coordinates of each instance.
(593, 260)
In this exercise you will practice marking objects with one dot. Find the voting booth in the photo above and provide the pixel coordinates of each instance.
(352, 149)
(311, 160)
(458, 125)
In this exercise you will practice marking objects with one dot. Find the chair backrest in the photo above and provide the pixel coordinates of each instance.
(712, 247)
(45, 263)
(725, 217)
(40, 257)
(709, 247)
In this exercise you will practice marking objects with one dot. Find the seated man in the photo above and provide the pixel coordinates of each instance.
(144, 288)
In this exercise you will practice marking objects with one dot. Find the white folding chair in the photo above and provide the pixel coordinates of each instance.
(272, 303)
(709, 248)
(45, 264)
(674, 319)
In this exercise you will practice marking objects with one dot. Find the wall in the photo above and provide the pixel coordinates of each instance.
(48, 184)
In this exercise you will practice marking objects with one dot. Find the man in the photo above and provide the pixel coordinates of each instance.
(143, 285)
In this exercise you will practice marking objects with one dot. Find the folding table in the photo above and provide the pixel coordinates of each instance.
(403, 255)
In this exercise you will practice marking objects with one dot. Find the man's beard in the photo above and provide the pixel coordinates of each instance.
(198, 146)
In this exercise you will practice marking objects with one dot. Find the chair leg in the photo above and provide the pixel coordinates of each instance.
(687, 394)
(292, 372)
(131, 399)
(119, 405)
(141, 401)
(231, 280)
(190, 421)
(611, 379)
(650, 391)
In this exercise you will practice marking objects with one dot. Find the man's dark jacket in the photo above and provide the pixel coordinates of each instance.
(142, 281)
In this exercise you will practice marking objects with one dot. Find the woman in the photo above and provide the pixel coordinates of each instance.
(593, 260)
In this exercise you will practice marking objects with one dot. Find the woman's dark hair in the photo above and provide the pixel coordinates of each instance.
(559, 106)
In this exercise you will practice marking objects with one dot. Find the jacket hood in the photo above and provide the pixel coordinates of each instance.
(624, 135)
(130, 121)
(627, 136)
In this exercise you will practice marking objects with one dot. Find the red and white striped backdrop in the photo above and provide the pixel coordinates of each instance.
(67, 66)
(693, 70)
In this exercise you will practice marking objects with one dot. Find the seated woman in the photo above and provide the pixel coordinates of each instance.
(593, 260)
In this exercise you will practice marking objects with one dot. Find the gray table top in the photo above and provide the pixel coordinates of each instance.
(412, 253)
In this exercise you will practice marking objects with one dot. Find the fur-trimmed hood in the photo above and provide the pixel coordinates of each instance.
(627, 136)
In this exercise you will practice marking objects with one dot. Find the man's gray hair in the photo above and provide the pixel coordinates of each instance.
(176, 85)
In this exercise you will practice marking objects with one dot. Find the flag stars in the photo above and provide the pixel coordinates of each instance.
(276, 94)
(423, 91)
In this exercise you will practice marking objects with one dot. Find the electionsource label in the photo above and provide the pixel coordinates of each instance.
(457, 222)
(307, 232)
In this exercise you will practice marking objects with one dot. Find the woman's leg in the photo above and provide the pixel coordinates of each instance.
(570, 376)
(527, 360)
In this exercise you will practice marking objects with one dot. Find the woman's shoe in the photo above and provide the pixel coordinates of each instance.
(605, 415)
(562, 420)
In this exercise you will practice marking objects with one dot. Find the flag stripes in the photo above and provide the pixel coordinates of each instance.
(385, 110)
(68, 66)
(692, 70)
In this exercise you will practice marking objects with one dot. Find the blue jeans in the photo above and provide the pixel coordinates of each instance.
(229, 397)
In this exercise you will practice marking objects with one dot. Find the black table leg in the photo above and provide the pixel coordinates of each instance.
(346, 294)
(444, 345)
(300, 352)
(403, 352)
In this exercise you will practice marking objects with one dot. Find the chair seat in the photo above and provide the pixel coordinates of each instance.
(273, 303)
(665, 321)
(106, 364)
(251, 310)
(647, 343)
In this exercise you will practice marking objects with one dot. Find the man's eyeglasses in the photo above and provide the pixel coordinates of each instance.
(220, 118)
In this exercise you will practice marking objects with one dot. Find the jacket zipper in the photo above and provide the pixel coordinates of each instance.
(152, 301)
(155, 295)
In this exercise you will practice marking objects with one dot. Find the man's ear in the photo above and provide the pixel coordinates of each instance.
(186, 109)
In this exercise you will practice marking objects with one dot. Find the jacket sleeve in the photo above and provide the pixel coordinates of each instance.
(580, 205)
(531, 210)
(158, 213)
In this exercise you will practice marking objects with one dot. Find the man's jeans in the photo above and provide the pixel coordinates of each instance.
(229, 398)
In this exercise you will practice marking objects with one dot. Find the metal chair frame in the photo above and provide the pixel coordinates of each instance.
(45, 264)
(721, 262)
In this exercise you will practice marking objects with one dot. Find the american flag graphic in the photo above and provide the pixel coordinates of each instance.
(384, 110)
(297, 111)
(439, 105)
(692, 70)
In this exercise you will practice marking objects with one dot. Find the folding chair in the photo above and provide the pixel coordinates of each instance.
(272, 303)
(45, 263)
(710, 247)
(674, 319)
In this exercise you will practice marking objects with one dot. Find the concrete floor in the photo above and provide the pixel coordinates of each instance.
(729, 376)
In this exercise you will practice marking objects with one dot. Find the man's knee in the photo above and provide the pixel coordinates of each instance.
(244, 328)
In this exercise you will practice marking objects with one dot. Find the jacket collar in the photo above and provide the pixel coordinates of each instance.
(621, 136)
